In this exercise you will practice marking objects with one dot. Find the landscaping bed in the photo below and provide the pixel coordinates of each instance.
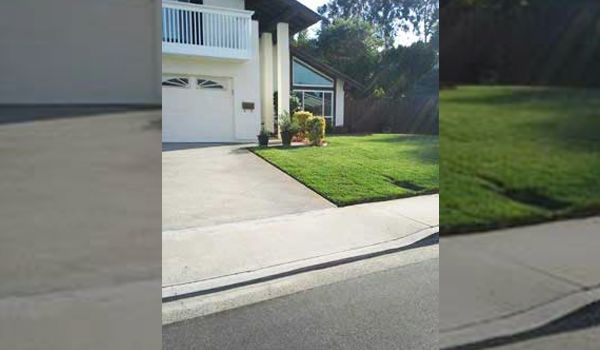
(366, 168)
(517, 155)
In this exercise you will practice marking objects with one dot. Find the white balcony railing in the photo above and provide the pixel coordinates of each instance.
(197, 30)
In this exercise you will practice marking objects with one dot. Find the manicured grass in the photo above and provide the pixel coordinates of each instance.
(517, 155)
(357, 169)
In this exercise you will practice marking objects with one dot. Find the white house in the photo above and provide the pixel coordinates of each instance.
(223, 60)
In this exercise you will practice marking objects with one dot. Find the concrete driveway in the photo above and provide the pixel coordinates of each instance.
(204, 185)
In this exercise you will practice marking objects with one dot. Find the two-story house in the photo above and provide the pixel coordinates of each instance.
(224, 60)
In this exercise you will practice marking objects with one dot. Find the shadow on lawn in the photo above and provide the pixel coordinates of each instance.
(424, 150)
(575, 130)
(573, 116)
(551, 96)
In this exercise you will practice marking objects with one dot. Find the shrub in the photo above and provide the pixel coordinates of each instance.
(316, 130)
(286, 124)
(264, 131)
(294, 102)
(301, 117)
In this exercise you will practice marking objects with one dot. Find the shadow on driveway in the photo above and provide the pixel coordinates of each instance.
(10, 114)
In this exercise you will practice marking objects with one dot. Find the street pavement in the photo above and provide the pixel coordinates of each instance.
(79, 250)
(392, 309)
(519, 288)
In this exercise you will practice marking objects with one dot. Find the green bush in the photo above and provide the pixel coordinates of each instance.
(301, 117)
(316, 130)
(294, 104)
(286, 124)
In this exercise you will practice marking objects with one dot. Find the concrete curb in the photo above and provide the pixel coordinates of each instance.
(520, 322)
(218, 284)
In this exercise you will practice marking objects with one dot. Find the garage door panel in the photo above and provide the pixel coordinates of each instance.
(200, 112)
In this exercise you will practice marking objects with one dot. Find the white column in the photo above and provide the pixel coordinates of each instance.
(339, 103)
(283, 67)
(266, 80)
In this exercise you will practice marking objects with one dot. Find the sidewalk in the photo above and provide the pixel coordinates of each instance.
(507, 285)
(198, 261)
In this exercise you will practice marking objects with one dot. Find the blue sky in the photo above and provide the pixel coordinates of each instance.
(403, 38)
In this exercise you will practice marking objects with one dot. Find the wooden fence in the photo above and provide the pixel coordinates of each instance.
(408, 115)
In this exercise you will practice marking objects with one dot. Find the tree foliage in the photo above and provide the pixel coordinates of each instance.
(389, 16)
(357, 46)
(352, 46)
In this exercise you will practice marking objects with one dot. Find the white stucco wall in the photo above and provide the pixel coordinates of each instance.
(73, 51)
(246, 83)
(339, 102)
(236, 4)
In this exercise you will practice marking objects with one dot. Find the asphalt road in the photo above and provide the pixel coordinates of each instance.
(393, 309)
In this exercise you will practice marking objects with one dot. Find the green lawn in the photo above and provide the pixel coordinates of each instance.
(516, 155)
(357, 169)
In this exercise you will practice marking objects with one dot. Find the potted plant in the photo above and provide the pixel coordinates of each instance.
(288, 129)
(263, 137)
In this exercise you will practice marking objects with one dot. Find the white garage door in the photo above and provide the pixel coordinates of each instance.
(197, 109)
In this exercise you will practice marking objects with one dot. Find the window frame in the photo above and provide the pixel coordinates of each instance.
(323, 91)
(309, 67)
(171, 77)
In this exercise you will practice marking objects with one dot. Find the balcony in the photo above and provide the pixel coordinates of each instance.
(198, 30)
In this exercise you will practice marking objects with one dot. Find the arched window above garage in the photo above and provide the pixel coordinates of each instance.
(180, 82)
(209, 84)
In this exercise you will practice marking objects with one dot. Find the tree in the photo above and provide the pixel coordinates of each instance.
(389, 16)
(350, 45)
(403, 67)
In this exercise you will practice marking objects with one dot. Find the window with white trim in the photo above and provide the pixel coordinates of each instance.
(319, 103)
(304, 75)
(180, 82)
(209, 84)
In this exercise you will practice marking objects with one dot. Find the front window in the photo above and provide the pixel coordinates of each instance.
(303, 75)
(319, 103)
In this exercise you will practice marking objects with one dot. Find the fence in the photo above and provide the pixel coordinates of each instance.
(408, 115)
(547, 43)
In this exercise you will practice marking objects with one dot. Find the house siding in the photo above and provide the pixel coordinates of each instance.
(246, 83)
(236, 4)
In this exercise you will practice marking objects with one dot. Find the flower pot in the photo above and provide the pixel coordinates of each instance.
(263, 140)
(286, 138)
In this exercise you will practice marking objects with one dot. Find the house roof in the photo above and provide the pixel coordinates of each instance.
(324, 67)
(270, 12)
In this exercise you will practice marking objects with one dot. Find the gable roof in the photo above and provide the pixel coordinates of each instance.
(270, 12)
(324, 67)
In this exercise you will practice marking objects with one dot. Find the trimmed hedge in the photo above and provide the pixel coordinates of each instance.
(301, 117)
(316, 130)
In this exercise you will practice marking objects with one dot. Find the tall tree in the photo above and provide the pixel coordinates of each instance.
(352, 46)
(389, 16)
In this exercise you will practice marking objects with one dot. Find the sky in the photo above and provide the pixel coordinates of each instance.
(403, 38)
